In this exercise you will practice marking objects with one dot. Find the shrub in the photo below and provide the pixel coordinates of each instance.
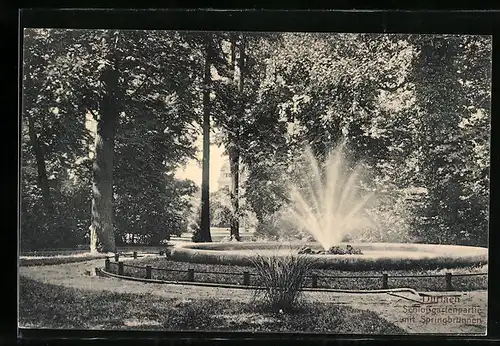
(196, 230)
(279, 226)
(266, 229)
(282, 278)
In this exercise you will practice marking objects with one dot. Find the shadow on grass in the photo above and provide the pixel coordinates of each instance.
(50, 306)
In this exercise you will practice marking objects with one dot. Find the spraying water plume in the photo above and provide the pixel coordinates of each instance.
(331, 204)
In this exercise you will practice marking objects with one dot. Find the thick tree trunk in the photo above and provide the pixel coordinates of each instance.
(43, 181)
(102, 233)
(205, 184)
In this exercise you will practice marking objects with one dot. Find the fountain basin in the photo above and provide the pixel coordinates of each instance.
(376, 256)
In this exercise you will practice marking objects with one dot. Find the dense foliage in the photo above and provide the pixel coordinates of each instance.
(64, 102)
(414, 110)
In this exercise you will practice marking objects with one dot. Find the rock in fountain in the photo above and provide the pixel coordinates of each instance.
(334, 250)
(330, 205)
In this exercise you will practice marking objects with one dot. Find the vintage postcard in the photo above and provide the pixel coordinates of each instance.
(253, 181)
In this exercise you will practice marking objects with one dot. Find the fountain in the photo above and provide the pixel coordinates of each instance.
(328, 204)
(331, 205)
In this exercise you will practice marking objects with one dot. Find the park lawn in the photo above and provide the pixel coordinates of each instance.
(45, 305)
(234, 275)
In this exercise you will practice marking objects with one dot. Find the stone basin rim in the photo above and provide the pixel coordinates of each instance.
(438, 249)
(432, 256)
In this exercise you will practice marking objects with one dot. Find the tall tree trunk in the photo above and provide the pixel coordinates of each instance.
(234, 165)
(205, 184)
(102, 234)
(234, 150)
(43, 181)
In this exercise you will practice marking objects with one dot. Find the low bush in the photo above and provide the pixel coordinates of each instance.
(282, 278)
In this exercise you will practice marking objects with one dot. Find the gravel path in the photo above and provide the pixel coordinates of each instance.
(399, 310)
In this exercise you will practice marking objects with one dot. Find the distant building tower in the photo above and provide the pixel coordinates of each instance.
(224, 181)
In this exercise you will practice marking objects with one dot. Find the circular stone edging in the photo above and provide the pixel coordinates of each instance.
(435, 257)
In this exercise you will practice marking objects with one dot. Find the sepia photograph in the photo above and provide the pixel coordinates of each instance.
(304, 182)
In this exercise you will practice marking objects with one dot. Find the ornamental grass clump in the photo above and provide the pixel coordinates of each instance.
(281, 277)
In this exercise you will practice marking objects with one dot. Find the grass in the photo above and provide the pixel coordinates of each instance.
(45, 305)
(234, 275)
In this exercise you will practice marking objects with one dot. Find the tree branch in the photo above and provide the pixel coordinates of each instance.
(139, 87)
